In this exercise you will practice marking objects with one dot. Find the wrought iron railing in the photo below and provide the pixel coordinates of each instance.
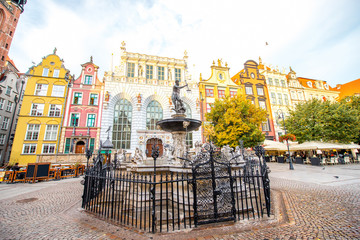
(170, 201)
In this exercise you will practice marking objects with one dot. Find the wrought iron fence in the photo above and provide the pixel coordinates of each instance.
(212, 190)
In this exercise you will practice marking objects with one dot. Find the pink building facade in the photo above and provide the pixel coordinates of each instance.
(82, 120)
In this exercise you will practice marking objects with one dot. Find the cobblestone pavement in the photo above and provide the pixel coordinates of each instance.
(315, 206)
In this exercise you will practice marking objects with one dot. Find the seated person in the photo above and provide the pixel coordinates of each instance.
(15, 167)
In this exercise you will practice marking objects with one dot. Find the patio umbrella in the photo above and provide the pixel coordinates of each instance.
(276, 146)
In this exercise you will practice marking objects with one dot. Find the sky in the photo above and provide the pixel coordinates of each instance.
(318, 39)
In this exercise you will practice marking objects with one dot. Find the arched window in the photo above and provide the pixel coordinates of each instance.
(122, 124)
(189, 135)
(154, 113)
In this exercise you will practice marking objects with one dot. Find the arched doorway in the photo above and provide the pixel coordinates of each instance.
(150, 143)
(80, 147)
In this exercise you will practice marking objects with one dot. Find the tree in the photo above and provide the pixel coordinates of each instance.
(315, 120)
(233, 119)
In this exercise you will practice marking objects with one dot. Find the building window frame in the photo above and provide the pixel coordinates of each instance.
(130, 69)
(32, 132)
(55, 110)
(154, 113)
(249, 90)
(178, 74)
(45, 72)
(77, 100)
(149, 71)
(221, 93)
(2, 139)
(122, 124)
(58, 91)
(2, 103)
(56, 73)
(93, 99)
(51, 132)
(48, 148)
(88, 80)
(74, 119)
(91, 119)
(9, 106)
(37, 109)
(209, 92)
(41, 89)
(29, 148)
(161, 72)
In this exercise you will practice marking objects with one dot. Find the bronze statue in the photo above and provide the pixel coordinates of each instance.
(178, 103)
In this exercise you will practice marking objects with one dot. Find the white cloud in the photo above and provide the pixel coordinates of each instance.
(303, 34)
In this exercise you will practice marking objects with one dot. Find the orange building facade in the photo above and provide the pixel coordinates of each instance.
(255, 89)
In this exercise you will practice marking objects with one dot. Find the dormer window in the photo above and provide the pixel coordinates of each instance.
(309, 84)
(88, 79)
(326, 86)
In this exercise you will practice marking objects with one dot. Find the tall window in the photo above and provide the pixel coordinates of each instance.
(88, 79)
(208, 107)
(154, 113)
(270, 81)
(260, 91)
(283, 83)
(178, 74)
(286, 99)
(32, 132)
(37, 109)
(41, 89)
(122, 124)
(262, 104)
(8, 90)
(51, 132)
(74, 120)
(55, 110)
(45, 72)
(91, 120)
(2, 139)
(56, 73)
(161, 73)
(93, 99)
(273, 98)
(277, 82)
(233, 93)
(9, 106)
(29, 148)
(49, 148)
(92, 144)
(189, 135)
(2, 101)
(67, 145)
(249, 90)
(149, 71)
(280, 102)
(209, 92)
(130, 69)
(58, 91)
(77, 98)
(265, 126)
(221, 93)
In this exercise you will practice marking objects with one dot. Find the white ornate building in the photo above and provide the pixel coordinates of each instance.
(138, 94)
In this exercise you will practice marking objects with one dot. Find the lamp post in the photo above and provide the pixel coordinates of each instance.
(280, 113)
(88, 155)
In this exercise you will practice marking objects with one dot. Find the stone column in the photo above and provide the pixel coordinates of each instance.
(179, 142)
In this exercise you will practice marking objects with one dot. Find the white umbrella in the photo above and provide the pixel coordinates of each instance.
(272, 145)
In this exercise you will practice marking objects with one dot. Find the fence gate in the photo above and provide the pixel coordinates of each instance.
(214, 199)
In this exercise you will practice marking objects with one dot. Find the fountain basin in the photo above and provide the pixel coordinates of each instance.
(177, 124)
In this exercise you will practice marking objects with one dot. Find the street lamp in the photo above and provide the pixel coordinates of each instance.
(281, 114)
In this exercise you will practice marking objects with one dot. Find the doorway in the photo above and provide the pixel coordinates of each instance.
(80, 147)
(149, 145)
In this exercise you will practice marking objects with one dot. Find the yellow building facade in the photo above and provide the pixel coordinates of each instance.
(217, 86)
(41, 114)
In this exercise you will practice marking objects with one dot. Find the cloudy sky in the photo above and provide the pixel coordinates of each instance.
(318, 39)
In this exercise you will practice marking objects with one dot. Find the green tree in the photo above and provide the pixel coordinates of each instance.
(315, 120)
(232, 119)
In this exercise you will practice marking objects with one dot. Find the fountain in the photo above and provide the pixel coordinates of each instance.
(178, 125)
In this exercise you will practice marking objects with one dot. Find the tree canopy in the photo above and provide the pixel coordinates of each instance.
(232, 119)
(316, 120)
